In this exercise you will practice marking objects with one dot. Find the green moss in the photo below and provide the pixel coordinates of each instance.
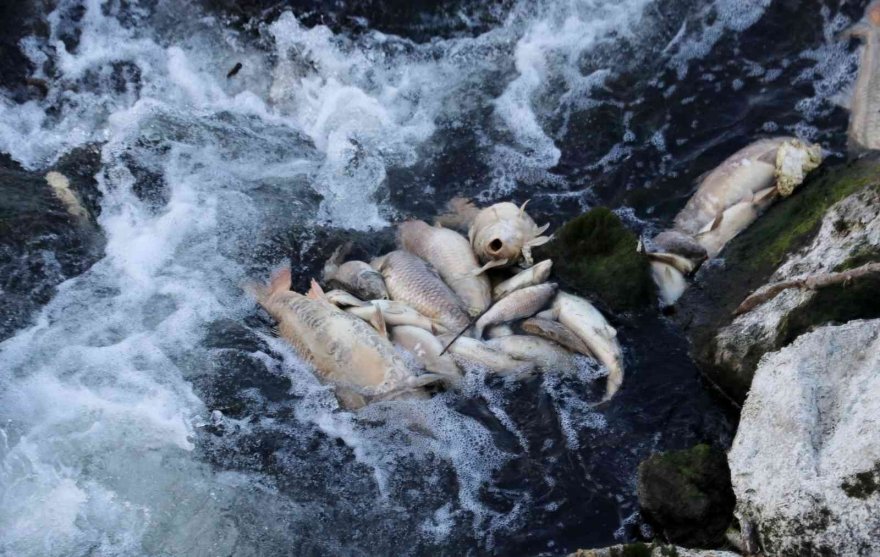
(636, 550)
(668, 551)
(834, 304)
(595, 254)
(860, 256)
(863, 484)
(792, 222)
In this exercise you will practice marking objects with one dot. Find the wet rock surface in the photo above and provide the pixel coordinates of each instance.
(595, 254)
(798, 236)
(652, 550)
(41, 243)
(686, 495)
(805, 460)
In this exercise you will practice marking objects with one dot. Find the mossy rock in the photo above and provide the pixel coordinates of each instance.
(595, 255)
(752, 257)
(687, 495)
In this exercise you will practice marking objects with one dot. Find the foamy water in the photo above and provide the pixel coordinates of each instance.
(102, 421)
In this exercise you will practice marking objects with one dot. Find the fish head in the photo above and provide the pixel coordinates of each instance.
(505, 235)
(373, 285)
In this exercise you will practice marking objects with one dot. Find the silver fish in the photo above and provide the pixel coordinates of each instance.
(479, 353)
(557, 332)
(532, 276)
(397, 314)
(410, 280)
(427, 349)
(864, 121)
(498, 331)
(585, 321)
(353, 276)
(341, 348)
(506, 233)
(450, 253)
(517, 305)
(342, 299)
(545, 354)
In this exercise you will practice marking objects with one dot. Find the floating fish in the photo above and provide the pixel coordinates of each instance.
(355, 277)
(397, 314)
(516, 305)
(590, 325)
(428, 351)
(451, 255)
(505, 233)
(343, 349)
(410, 280)
(557, 332)
(479, 353)
(864, 121)
(545, 354)
(532, 276)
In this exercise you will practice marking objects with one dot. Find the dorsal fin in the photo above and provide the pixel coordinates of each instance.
(716, 222)
(522, 210)
(490, 265)
(316, 292)
(378, 322)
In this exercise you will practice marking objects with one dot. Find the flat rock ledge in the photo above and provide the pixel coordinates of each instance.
(805, 463)
(650, 550)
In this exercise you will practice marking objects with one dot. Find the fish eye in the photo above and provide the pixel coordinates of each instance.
(495, 245)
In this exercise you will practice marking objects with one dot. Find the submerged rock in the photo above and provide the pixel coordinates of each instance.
(828, 225)
(595, 254)
(42, 241)
(687, 495)
(805, 463)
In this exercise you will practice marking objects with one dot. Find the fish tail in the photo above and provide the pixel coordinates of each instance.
(279, 282)
(615, 380)
(315, 292)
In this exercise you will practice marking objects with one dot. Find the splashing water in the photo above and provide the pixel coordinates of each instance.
(108, 442)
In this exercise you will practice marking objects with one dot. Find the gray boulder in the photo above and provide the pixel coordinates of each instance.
(805, 463)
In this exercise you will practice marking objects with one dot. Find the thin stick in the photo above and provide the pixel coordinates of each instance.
(461, 332)
(812, 282)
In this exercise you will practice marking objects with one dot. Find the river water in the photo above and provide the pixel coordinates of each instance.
(149, 410)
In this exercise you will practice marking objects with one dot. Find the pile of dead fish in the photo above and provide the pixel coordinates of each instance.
(436, 298)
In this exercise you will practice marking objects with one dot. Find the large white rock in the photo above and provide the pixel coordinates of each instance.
(850, 226)
(805, 463)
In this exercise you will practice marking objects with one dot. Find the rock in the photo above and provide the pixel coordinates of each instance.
(829, 224)
(687, 496)
(595, 255)
(805, 462)
(652, 550)
(41, 242)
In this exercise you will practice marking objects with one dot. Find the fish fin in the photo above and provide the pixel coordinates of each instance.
(316, 292)
(490, 265)
(615, 380)
(712, 225)
(684, 265)
(378, 322)
(765, 196)
(522, 210)
(426, 379)
(539, 240)
(640, 246)
(610, 332)
(460, 213)
(541, 229)
(438, 329)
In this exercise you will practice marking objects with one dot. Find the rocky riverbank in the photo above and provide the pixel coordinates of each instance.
(802, 475)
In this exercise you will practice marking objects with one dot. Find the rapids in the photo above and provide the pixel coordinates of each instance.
(147, 409)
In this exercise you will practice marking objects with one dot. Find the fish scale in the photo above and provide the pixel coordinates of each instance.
(410, 280)
(516, 305)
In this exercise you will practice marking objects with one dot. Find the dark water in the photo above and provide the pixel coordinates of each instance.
(342, 120)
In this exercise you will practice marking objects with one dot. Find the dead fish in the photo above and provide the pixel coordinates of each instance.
(557, 332)
(342, 299)
(397, 314)
(532, 276)
(586, 322)
(479, 353)
(353, 276)
(61, 188)
(410, 280)
(341, 348)
(450, 253)
(516, 305)
(499, 331)
(670, 282)
(753, 175)
(427, 349)
(545, 354)
(864, 121)
(506, 233)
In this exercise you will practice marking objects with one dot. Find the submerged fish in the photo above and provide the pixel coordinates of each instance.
(517, 305)
(343, 350)
(428, 350)
(480, 353)
(557, 332)
(545, 354)
(505, 233)
(535, 274)
(353, 276)
(450, 253)
(586, 322)
(864, 120)
(410, 280)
